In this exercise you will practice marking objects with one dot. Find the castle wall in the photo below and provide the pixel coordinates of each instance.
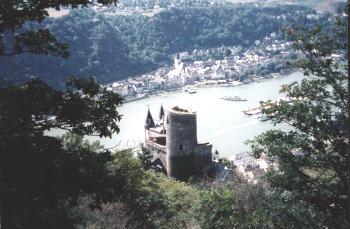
(157, 149)
(203, 159)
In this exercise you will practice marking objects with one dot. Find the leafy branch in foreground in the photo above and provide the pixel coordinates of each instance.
(41, 176)
(14, 14)
(313, 157)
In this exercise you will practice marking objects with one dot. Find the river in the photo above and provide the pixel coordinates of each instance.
(220, 122)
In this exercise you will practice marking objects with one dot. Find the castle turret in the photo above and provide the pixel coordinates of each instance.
(161, 112)
(149, 123)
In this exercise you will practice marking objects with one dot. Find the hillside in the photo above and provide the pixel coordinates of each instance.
(319, 5)
(112, 47)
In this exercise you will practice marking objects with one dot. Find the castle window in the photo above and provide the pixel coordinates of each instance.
(181, 147)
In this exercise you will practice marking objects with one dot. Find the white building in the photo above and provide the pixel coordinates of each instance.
(218, 74)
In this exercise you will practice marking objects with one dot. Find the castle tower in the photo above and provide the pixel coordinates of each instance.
(181, 132)
(174, 143)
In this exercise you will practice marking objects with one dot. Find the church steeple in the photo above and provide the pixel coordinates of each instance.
(149, 120)
(161, 112)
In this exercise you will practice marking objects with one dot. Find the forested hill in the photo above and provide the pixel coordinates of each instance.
(111, 47)
(319, 5)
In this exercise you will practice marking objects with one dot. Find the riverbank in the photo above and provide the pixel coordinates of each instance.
(208, 84)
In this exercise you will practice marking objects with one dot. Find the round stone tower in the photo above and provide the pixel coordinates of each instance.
(181, 135)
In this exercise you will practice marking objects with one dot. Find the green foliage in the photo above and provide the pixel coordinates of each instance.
(40, 41)
(228, 163)
(313, 157)
(84, 108)
(170, 199)
(215, 209)
(282, 210)
(244, 205)
(145, 157)
(14, 14)
(41, 175)
(111, 215)
(154, 200)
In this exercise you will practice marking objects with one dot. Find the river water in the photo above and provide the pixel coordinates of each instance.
(219, 122)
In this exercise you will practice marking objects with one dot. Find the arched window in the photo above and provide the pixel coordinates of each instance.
(181, 147)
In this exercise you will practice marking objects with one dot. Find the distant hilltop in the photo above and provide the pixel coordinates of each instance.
(318, 5)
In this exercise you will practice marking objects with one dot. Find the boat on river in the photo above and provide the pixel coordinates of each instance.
(253, 111)
(259, 109)
(190, 90)
(234, 98)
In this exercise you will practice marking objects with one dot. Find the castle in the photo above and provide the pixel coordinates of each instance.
(173, 143)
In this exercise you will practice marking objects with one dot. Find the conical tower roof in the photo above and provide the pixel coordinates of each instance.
(149, 120)
(161, 112)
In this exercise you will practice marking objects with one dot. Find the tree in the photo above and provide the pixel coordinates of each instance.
(240, 204)
(154, 200)
(312, 157)
(42, 175)
(14, 14)
(145, 157)
(216, 208)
